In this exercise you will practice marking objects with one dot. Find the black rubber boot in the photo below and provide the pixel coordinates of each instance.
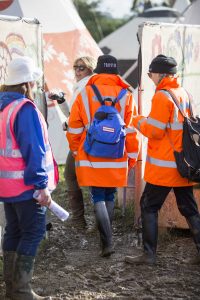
(194, 225)
(110, 209)
(9, 258)
(77, 207)
(22, 277)
(104, 227)
(149, 237)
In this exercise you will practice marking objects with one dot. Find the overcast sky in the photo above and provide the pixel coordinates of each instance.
(119, 8)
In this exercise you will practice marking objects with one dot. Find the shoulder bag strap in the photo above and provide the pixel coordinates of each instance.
(180, 109)
(175, 101)
(190, 103)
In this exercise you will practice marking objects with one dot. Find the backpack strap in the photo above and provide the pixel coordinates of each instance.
(99, 97)
(177, 103)
(97, 93)
(120, 96)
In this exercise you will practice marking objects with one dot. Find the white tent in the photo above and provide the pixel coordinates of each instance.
(123, 43)
(181, 5)
(191, 14)
(65, 39)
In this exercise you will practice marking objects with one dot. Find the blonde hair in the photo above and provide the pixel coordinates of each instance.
(23, 88)
(89, 61)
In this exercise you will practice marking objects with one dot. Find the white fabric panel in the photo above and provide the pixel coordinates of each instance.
(54, 15)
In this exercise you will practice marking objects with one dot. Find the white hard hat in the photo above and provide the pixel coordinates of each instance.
(22, 69)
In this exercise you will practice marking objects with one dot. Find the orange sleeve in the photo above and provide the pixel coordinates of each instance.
(132, 136)
(75, 125)
(155, 124)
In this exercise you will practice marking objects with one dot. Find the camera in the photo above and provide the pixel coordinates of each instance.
(59, 97)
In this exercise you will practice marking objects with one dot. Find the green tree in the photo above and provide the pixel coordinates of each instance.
(98, 23)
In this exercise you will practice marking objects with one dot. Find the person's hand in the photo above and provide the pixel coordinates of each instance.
(74, 153)
(64, 126)
(44, 197)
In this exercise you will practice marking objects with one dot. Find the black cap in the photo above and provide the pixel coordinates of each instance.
(163, 64)
(107, 64)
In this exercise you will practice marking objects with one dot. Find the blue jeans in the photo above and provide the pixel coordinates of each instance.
(102, 193)
(25, 227)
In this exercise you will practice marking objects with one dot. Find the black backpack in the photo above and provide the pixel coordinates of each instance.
(188, 160)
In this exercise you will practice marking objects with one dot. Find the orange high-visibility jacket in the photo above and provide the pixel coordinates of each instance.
(94, 171)
(164, 129)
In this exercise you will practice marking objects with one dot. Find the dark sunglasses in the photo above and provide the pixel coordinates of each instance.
(80, 68)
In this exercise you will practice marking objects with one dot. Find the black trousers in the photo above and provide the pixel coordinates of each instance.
(154, 196)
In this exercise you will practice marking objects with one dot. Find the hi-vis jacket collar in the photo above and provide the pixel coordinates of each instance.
(108, 79)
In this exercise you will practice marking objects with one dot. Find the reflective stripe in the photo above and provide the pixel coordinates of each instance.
(10, 153)
(156, 123)
(75, 130)
(176, 110)
(122, 102)
(101, 165)
(132, 154)
(12, 174)
(49, 168)
(161, 163)
(86, 104)
(175, 126)
(47, 147)
(8, 133)
(130, 129)
(140, 122)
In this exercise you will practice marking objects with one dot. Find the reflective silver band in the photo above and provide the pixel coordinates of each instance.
(49, 168)
(16, 153)
(12, 174)
(8, 133)
(130, 129)
(161, 163)
(123, 105)
(156, 123)
(75, 130)
(86, 104)
(101, 165)
(175, 126)
(132, 154)
(140, 122)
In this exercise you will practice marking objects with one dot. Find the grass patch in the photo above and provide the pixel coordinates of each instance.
(125, 218)
(59, 195)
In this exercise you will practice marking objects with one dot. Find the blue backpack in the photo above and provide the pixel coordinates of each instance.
(106, 134)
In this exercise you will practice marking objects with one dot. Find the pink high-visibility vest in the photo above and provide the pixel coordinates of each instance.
(12, 164)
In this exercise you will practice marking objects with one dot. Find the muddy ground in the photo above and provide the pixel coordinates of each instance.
(68, 265)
